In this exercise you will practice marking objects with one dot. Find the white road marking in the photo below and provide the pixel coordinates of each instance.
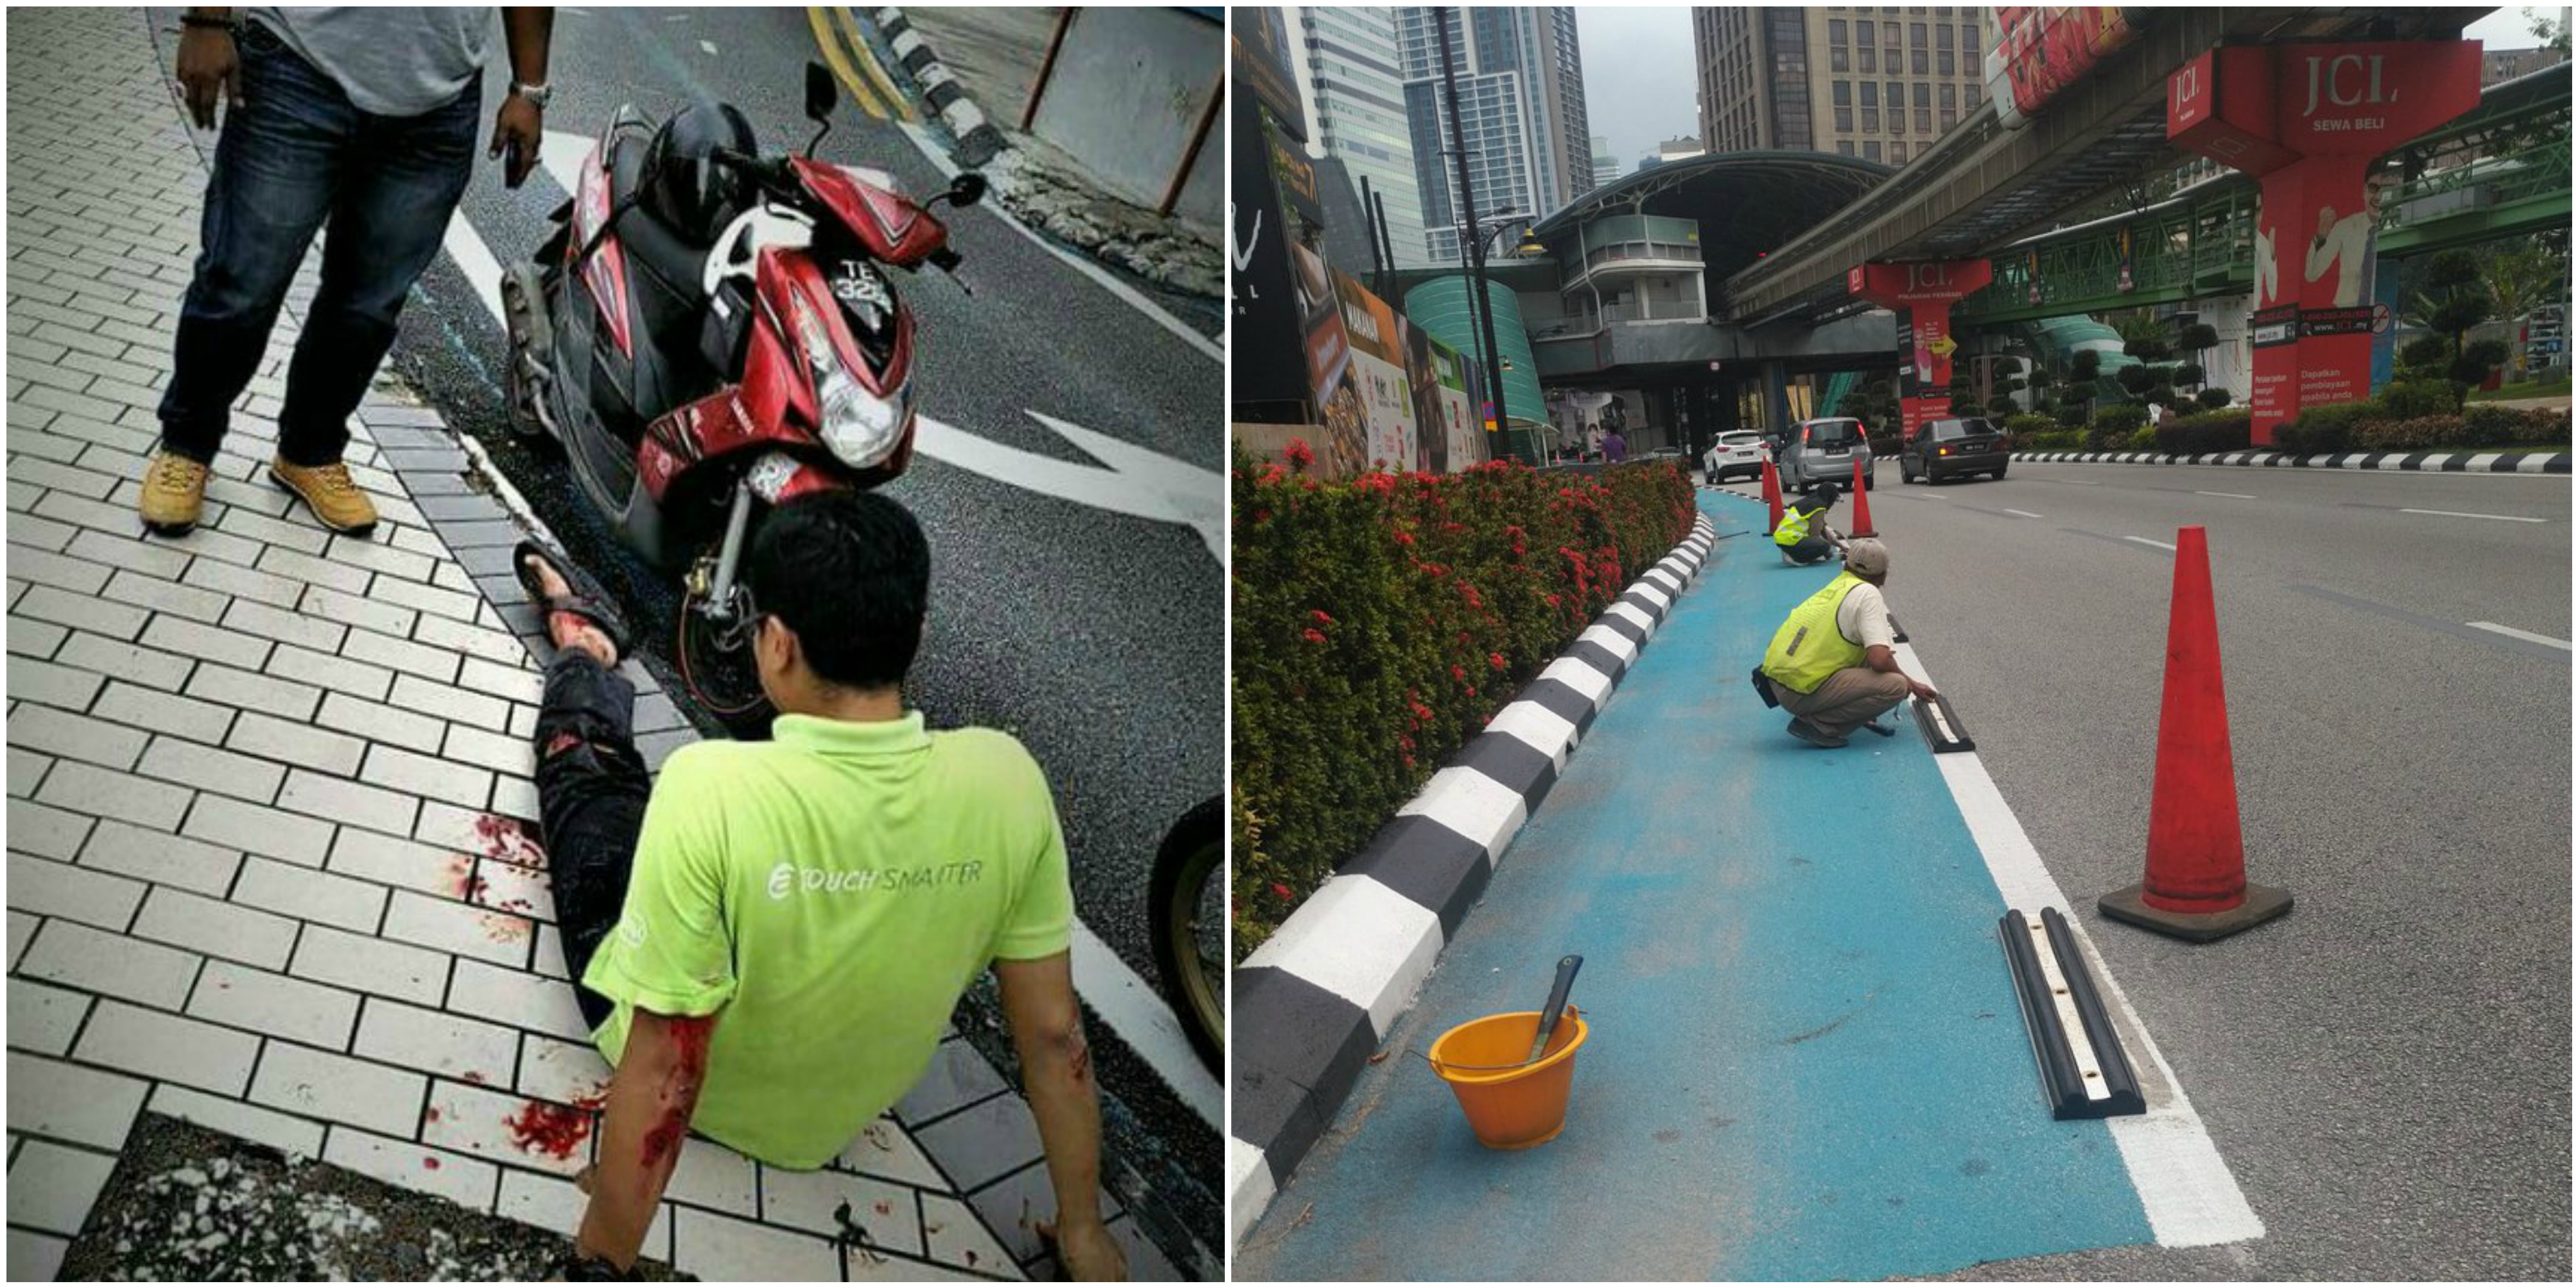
(1211, 349)
(1139, 1015)
(2447, 513)
(2074, 482)
(709, 46)
(1129, 479)
(1130, 1008)
(2157, 543)
(2189, 1195)
(2224, 495)
(2525, 635)
(2024, 513)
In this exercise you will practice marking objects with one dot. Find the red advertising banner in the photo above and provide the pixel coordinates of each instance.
(2311, 120)
(2041, 49)
(1921, 295)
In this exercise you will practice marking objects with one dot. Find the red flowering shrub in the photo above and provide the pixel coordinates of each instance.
(1380, 622)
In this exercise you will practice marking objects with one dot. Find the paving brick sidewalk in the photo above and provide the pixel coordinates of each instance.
(270, 864)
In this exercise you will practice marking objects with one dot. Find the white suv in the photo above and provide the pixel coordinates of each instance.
(1735, 453)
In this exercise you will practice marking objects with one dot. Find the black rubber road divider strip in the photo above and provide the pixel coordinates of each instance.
(2062, 1082)
(1956, 740)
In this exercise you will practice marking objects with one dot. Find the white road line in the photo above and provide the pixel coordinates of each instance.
(2447, 513)
(938, 156)
(1132, 1009)
(2525, 635)
(709, 46)
(2157, 543)
(2189, 1195)
(1139, 1015)
(2225, 495)
(2024, 513)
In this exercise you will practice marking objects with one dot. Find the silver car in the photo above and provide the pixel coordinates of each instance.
(1821, 451)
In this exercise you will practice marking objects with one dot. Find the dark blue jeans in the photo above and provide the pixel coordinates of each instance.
(295, 152)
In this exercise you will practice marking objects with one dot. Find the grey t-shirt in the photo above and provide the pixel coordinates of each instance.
(389, 61)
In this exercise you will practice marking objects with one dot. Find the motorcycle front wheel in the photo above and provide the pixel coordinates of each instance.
(718, 672)
(1187, 903)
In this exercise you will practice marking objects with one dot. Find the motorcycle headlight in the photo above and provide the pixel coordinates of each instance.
(859, 427)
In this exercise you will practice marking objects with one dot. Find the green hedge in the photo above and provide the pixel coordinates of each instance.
(2381, 424)
(2206, 432)
(1381, 621)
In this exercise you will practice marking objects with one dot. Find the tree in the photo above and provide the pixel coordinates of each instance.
(2455, 300)
(2552, 31)
(2520, 280)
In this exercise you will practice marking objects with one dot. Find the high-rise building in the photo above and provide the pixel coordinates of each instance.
(1353, 91)
(1875, 81)
(1520, 99)
(1605, 167)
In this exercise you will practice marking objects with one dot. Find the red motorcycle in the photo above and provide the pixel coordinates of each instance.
(709, 332)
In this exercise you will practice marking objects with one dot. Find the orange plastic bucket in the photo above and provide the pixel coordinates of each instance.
(1510, 1106)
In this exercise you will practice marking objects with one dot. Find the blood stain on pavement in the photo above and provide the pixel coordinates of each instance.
(507, 839)
(551, 1128)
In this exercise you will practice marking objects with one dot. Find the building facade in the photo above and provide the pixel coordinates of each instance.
(1520, 100)
(1605, 167)
(1873, 81)
(1352, 90)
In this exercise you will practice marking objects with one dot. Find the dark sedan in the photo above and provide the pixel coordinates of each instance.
(1946, 449)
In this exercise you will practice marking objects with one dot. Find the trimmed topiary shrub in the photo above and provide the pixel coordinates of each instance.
(1379, 623)
(2206, 432)
(2495, 426)
(2407, 399)
(2323, 428)
(2211, 399)
(2122, 420)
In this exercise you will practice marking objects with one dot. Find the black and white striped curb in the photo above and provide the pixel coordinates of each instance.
(2418, 461)
(1314, 1001)
(977, 141)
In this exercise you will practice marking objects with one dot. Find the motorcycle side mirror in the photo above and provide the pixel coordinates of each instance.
(821, 94)
(966, 189)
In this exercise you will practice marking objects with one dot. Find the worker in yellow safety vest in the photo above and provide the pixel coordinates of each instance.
(1802, 535)
(1832, 664)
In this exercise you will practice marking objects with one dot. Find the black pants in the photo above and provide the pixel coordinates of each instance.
(1813, 549)
(591, 789)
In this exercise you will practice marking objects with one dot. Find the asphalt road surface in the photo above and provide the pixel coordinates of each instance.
(2385, 1070)
(1094, 636)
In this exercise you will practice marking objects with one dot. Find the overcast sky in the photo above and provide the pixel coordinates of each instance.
(1640, 88)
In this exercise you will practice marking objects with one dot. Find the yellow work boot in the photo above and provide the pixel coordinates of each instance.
(174, 494)
(328, 492)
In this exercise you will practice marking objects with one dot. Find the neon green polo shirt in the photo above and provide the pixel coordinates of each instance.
(832, 892)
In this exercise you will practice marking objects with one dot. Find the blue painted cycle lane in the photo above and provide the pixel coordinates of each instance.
(1806, 1060)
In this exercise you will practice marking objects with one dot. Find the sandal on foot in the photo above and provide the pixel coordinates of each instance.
(586, 599)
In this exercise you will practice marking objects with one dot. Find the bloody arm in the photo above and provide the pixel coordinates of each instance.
(650, 1100)
(1055, 1068)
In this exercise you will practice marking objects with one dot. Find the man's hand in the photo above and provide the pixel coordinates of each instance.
(209, 66)
(1920, 688)
(1088, 1252)
(518, 130)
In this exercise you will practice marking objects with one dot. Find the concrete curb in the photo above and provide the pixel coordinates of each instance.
(1314, 1001)
(977, 141)
(2415, 461)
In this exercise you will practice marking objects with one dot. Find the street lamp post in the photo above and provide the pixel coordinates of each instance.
(1474, 259)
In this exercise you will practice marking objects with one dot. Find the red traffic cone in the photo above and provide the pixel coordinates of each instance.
(1771, 494)
(1860, 503)
(2195, 886)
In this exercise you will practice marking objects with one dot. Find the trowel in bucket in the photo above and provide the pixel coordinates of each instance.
(1555, 1007)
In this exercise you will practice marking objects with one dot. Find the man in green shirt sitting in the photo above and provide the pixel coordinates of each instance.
(770, 941)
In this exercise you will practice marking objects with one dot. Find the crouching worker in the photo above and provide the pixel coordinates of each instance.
(1802, 535)
(768, 943)
(1832, 664)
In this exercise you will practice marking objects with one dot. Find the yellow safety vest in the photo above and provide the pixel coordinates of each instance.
(1809, 647)
(1793, 526)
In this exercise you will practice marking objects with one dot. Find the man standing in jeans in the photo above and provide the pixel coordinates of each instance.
(363, 116)
(769, 941)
